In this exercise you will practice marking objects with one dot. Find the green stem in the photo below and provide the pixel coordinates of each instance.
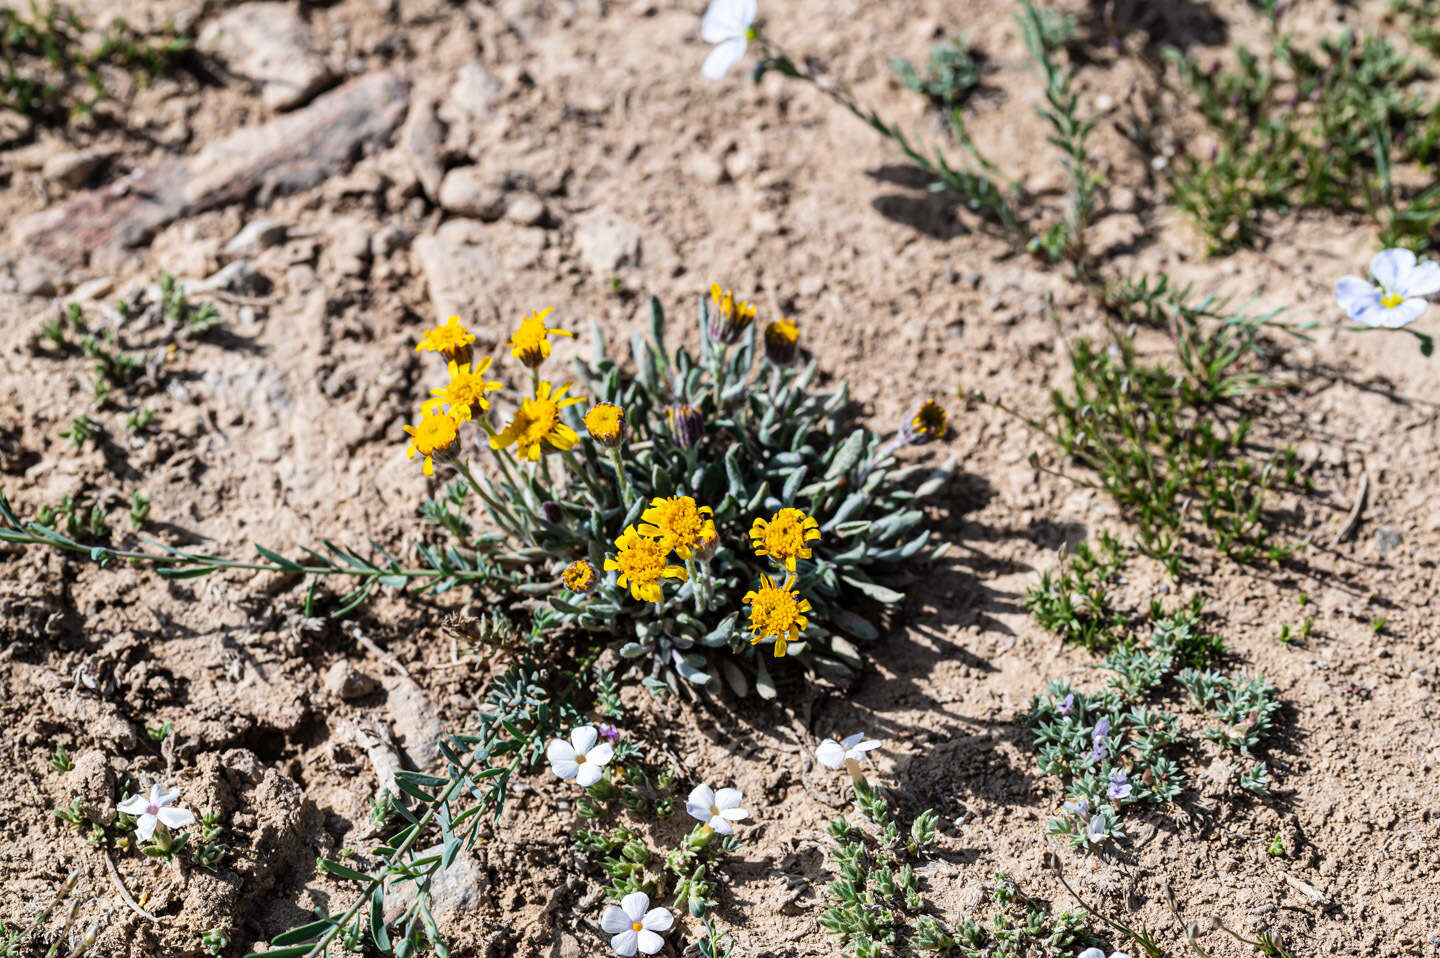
(597, 496)
(621, 479)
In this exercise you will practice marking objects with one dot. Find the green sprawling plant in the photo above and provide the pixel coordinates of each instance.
(951, 75)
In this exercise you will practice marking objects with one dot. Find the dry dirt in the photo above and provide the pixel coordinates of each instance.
(607, 168)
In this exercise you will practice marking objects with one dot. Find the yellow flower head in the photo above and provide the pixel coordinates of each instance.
(579, 576)
(465, 395)
(729, 318)
(776, 611)
(641, 562)
(784, 537)
(531, 342)
(928, 422)
(450, 340)
(536, 427)
(707, 542)
(781, 339)
(606, 424)
(679, 524)
(437, 437)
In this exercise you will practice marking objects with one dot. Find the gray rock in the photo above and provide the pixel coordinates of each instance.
(422, 143)
(35, 276)
(453, 891)
(415, 722)
(270, 44)
(454, 273)
(93, 780)
(1387, 539)
(389, 240)
(240, 277)
(256, 236)
(527, 209)
(470, 192)
(607, 242)
(72, 169)
(344, 681)
(475, 90)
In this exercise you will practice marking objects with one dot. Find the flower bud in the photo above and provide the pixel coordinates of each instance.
(687, 425)
(606, 424)
(927, 422)
(781, 341)
(579, 577)
(726, 319)
(552, 512)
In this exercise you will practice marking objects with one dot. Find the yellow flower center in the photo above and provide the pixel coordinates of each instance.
(531, 342)
(930, 420)
(434, 432)
(578, 576)
(604, 421)
(1391, 300)
(677, 521)
(636, 926)
(643, 560)
(539, 416)
(785, 534)
(774, 610)
(447, 338)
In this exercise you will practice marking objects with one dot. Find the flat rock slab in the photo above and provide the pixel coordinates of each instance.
(269, 43)
(286, 155)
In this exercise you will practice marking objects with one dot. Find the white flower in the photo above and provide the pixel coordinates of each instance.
(1399, 298)
(635, 927)
(580, 758)
(833, 754)
(727, 24)
(153, 810)
(716, 809)
(1097, 953)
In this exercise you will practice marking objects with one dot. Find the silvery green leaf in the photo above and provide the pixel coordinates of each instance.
(690, 668)
(633, 650)
(856, 625)
(566, 606)
(792, 485)
(733, 392)
(940, 552)
(817, 490)
(754, 504)
(933, 485)
(838, 399)
(896, 525)
(875, 590)
(764, 684)
(719, 635)
(733, 474)
(592, 624)
(655, 685)
(853, 503)
(535, 588)
(808, 376)
(788, 458)
(735, 678)
(915, 545)
(845, 651)
(847, 456)
(857, 527)
(660, 484)
(597, 342)
(688, 624)
(711, 484)
(657, 324)
(644, 361)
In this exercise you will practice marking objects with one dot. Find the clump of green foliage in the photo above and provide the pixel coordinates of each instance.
(951, 75)
(53, 66)
(1076, 604)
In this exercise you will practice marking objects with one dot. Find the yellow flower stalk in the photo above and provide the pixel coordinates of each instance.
(450, 339)
(781, 341)
(642, 563)
(606, 424)
(579, 576)
(776, 612)
(679, 524)
(536, 427)
(437, 437)
(465, 394)
(729, 318)
(531, 342)
(784, 538)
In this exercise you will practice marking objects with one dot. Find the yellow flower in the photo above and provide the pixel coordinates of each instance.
(536, 427)
(579, 576)
(679, 524)
(531, 342)
(781, 338)
(437, 437)
(776, 611)
(928, 422)
(450, 340)
(465, 395)
(606, 424)
(641, 562)
(784, 537)
(728, 318)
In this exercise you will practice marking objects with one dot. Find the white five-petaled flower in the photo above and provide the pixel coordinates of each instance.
(1398, 299)
(1097, 953)
(720, 810)
(833, 754)
(636, 925)
(155, 809)
(580, 758)
(729, 24)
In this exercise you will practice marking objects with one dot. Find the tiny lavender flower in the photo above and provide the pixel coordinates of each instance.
(153, 811)
(1078, 808)
(729, 24)
(1399, 298)
(716, 809)
(1119, 785)
(1098, 743)
(611, 733)
(635, 927)
(833, 754)
(1067, 704)
(580, 758)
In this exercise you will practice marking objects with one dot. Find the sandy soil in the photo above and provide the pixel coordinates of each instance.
(286, 428)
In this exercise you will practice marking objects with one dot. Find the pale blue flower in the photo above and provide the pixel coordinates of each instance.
(1397, 297)
(729, 24)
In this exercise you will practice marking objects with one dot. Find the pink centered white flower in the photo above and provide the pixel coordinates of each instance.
(154, 810)
(580, 758)
(635, 925)
(833, 754)
(729, 24)
(1398, 299)
(720, 810)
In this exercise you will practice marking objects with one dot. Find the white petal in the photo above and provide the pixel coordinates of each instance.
(614, 920)
(600, 754)
(134, 805)
(734, 814)
(564, 768)
(658, 919)
(865, 746)
(701, 795)
(830, 754)
(1402, 315)
(725, 55)
(649, 942)
(723, 20)
(720, 825)
(145, 827)
(728, 798)
(852, 740)
(1355, 295)
(559, 750)
(176, 817)
(158, 795)
(1389, 265)
(1372, 316)
(583, 738)
(1091, 953)
(625, 942)
(588, 774)
(635, 905)
(697, 811)
(1118, 954)
(1423, 280)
